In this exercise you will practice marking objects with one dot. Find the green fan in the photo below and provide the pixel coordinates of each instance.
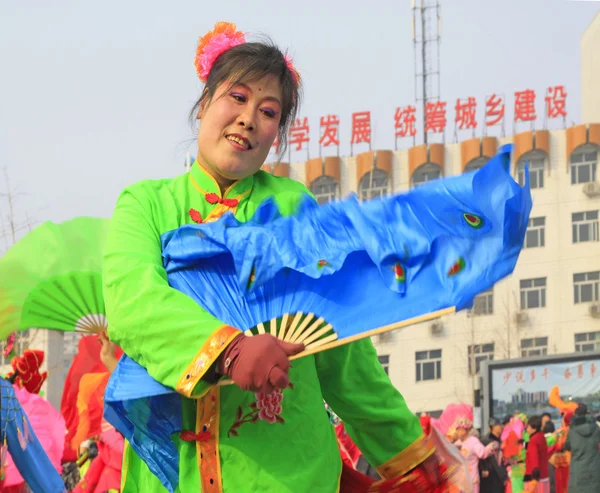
(52, 278)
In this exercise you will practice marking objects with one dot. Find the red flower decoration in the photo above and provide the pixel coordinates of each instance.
(213, 198)
(195, 215)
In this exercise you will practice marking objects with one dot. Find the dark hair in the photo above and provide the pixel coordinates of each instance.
(547, 414)
(535, 422)
(549, 427)
(250, 62)
(581, 410)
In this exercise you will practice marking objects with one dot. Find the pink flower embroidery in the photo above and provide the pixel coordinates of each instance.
(269, 405)
(266, 408)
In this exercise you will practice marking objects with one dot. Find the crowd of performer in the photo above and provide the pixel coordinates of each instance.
(517, 454)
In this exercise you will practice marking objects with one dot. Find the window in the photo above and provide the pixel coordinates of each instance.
(584, 164)
(587, 341)
(585, 226)
(325, 189)
(536, 233)
(536, 346)
(375, 183)
(384, 359)
(426, 172)
(428, 365)
(476, 164)
(533, 293)
(586, 287)
(479, 353)
(483, 304)
(536, 161)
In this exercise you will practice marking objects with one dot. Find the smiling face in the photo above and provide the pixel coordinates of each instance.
(237, 129)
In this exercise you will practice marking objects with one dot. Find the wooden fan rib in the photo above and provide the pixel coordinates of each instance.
(380, 330)
(283, 327)
(311, 329)
(301, 327)
(320, 342)
(273, 327)
(332, 341)
(92, 323)
(293, 326)
(318, 335)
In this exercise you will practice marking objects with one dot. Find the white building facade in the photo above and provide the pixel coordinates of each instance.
(551, 303)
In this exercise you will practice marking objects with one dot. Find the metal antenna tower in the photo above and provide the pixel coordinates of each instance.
(426, 35)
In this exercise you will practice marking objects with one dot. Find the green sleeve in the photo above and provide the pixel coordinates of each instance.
(162, 329)
(375, 414)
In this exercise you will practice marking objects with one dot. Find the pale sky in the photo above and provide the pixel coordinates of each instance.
(95, 95)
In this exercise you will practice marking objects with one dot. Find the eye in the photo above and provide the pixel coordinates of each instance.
(268, 112)
(240, 98)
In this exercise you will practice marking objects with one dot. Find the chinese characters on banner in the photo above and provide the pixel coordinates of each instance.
(469, 114)
(567, 372)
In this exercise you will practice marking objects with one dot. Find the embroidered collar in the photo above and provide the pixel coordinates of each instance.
(206, 185)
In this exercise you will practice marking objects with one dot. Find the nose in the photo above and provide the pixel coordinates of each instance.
(246, 120)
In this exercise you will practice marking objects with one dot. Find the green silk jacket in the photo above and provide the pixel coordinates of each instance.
(280, 443)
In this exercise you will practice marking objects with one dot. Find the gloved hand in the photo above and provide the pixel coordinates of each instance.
(259, 363)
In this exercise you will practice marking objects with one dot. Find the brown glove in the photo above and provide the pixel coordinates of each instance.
(259, 363)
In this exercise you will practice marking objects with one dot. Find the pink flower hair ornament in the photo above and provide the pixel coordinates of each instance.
(223, 37)
(463, 423)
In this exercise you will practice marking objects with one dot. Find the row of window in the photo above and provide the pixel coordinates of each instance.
(586, 289)
(584, 228)
(583, 165)
(428, 364)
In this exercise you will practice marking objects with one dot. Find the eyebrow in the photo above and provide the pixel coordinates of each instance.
(267, 98)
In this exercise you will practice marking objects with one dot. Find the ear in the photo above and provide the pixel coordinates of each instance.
(203, 105)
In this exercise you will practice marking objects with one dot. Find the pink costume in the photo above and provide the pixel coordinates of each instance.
(474, 451)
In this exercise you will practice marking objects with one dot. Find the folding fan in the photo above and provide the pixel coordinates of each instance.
(51, 278)
(330, 275)
(29, 459)
(349, 270)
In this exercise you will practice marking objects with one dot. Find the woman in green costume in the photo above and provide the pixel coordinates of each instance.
(262, 434)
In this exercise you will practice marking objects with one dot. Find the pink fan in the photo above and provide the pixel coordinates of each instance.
(47, 424)
(451, 415)
(517, 426)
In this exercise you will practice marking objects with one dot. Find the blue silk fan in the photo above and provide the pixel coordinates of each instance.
(348, 270)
